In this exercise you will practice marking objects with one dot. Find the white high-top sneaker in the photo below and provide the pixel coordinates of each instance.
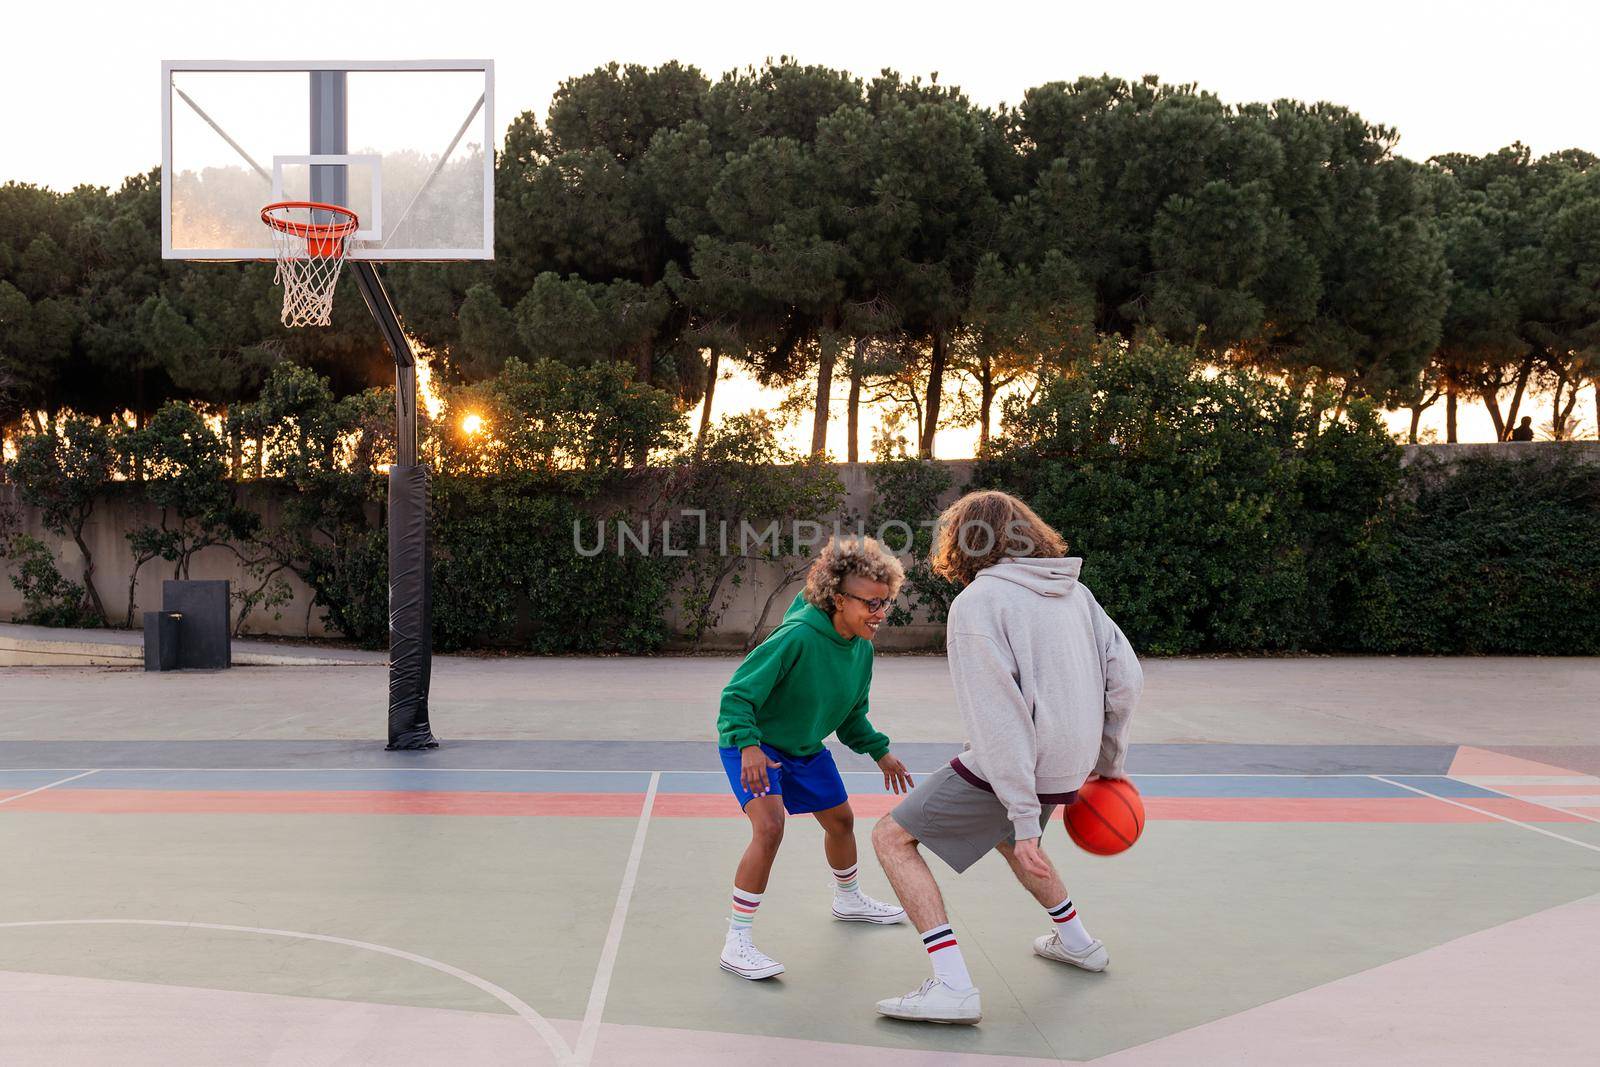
(857, 907)
(1093, 958)
(935, 1002)
(741, 957)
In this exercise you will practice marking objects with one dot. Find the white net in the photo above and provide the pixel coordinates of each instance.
(310, 244)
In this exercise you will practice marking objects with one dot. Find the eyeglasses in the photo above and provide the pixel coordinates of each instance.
(874, 605)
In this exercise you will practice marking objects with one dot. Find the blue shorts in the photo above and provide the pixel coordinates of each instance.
(806, 783)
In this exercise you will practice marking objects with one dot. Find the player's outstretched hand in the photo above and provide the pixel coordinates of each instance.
(753, 764)
(1032, 859)
(896, 779)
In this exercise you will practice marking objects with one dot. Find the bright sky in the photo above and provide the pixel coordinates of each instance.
(80, 77)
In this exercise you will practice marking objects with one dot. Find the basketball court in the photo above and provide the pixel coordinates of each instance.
(1324, 878)
(1346, 860)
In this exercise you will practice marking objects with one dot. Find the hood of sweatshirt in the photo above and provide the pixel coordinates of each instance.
(804, 613)
(1047, 577)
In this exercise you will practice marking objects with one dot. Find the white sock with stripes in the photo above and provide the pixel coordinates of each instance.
(945, 955)
(744, 910)
(1069, 927)
(846, 882)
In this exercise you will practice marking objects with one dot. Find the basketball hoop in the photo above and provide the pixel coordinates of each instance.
(310, 252)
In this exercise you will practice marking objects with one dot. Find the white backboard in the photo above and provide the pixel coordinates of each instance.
(407, 145)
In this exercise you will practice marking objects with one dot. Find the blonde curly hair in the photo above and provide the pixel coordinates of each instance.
(843, 557)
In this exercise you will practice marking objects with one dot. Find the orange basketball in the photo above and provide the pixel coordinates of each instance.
(1107, 817)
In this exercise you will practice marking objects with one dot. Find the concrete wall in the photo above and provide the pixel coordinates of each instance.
(105, 534)
(1586, 452)
(122, 511)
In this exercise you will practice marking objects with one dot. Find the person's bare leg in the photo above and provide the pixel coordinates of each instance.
(850, 904)
(950, 996)
(1070, 943)
(908, 873)
(766, 834)
(1047, 891)
(739, 953)
(839, 836)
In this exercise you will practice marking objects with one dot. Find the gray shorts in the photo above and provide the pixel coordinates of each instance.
(956, 820)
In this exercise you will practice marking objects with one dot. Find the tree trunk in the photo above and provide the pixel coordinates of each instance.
(1561, 413)
(1417, 409)
(133, 587)
(930, 423)
(705, 409)
(789, 578)
(2, 453)
(1492, 402)
(1449, 415)
(819, 417)
(853, 424)
(1597, 410)
(1344, 400)
(985, 402)
(138, 424)
(1523, 374)
(235, 447)
(261, 456)
(643, 370)
(38, 424)
(88, 578)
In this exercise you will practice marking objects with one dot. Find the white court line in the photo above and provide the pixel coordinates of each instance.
(52, 785)
(509, 999)
(719, 770)
(1494, 815)
(590, 1033)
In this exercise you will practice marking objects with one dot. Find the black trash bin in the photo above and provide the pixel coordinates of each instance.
(191, 631)
(161, 640)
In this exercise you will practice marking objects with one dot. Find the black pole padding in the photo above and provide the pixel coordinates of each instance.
(410, 609)
(410, 556)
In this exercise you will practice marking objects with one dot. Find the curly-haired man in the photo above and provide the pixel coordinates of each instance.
(807, 680)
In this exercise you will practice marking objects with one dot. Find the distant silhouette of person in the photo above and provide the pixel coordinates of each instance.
(1524, 430)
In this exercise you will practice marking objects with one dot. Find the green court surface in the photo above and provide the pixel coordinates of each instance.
(179, 891)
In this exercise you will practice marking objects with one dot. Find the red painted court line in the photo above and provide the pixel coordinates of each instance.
(1208, 809)
(333, 802)
(1521, 810)
(1415, 809)
(723, 806)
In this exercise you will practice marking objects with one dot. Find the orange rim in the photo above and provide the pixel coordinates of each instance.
(312, 231)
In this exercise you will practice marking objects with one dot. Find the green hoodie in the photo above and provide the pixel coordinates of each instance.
(801, 684)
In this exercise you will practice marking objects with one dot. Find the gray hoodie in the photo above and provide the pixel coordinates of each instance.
(1044, 680)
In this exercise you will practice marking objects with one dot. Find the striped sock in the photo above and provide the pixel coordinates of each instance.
(945, 955)
(846, 881)
(1069, 927)
(744, 909)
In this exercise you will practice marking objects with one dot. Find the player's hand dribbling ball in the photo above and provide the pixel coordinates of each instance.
(1107, 817)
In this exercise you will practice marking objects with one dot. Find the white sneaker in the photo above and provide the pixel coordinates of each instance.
(1093, 958)
(857, 907)
(741, 957)
(935, 1002)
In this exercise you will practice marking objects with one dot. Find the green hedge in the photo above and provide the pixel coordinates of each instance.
(506, 574)
(1232, 513)
(1491, 556)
